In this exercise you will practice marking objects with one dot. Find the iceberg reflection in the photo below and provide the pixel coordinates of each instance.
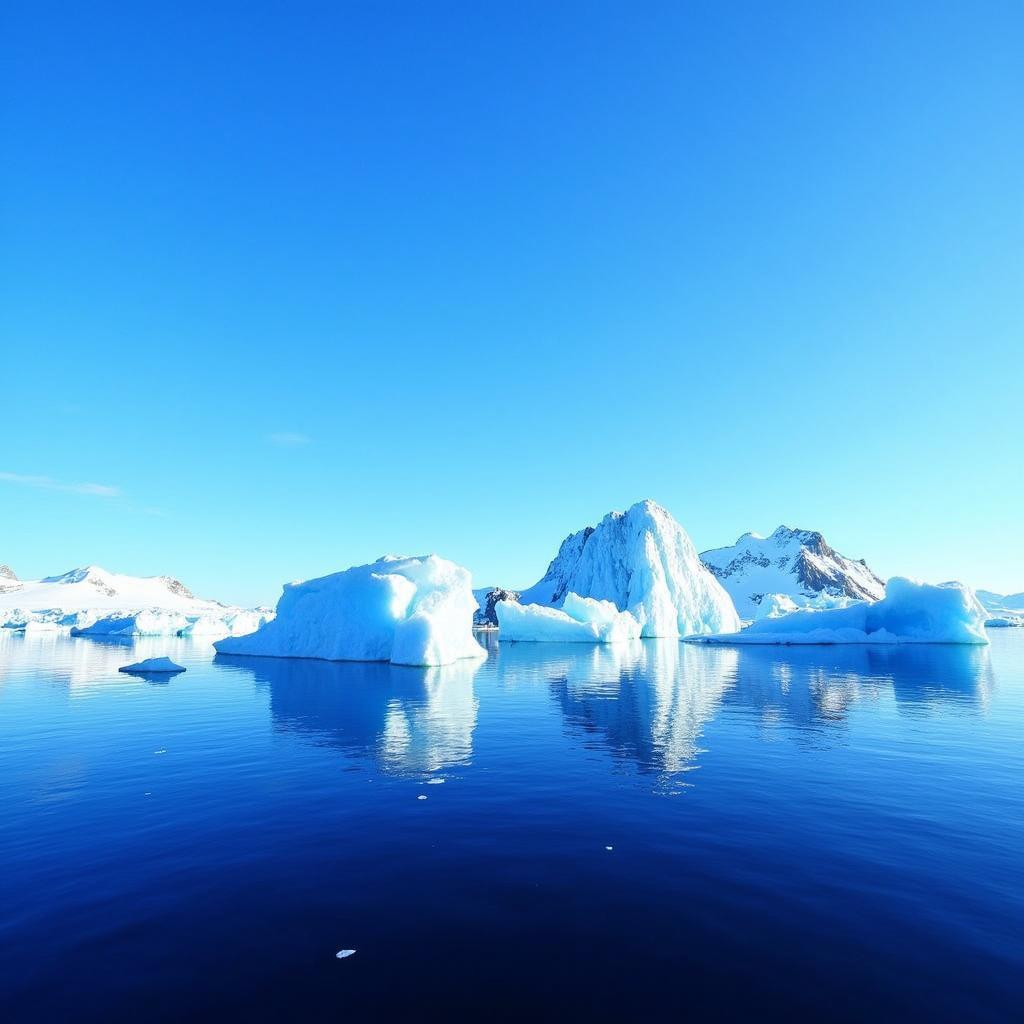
(647, 702)
(408, 720)
(818, 686)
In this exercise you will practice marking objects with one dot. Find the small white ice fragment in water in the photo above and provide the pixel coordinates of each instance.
(435, 782)
(422, 796)
(342, 953)
(609, 847)
(162, 750)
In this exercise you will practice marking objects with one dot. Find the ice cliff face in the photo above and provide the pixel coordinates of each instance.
(643, 562)
(796, 563)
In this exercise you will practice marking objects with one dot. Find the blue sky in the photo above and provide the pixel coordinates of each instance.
(287, 286)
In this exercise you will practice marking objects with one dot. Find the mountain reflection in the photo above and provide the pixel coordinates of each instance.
(410, 720)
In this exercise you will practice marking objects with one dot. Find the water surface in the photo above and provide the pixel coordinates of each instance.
(608, 832)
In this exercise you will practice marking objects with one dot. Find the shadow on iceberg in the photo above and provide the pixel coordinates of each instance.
(410, 721)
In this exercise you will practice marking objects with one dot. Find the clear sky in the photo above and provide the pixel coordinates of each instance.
(287, 286)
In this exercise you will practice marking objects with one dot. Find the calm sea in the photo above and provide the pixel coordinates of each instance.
(629, 832)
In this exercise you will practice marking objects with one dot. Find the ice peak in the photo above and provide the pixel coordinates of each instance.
(642, 561)
(7, 573)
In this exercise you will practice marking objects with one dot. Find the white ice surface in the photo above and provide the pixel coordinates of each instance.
(910, 612)
(579, 620)
(410, 611)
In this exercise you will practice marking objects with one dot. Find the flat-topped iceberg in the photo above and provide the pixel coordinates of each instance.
(644, 563)
(409, 611)
(579, 620)
(910, 613)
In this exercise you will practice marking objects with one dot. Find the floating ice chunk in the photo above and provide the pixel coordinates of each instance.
(435, 782)
(579, 620)
(422, 796)
(609, 848)
(152, 665)
(342, 954)
(910, 613)
(409, 611)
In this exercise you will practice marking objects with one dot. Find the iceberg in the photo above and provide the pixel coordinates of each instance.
(154, 622)
(644, 563)
(910, 613)
(579, 620)
(409, 611)
(229, 624)
(152, 665)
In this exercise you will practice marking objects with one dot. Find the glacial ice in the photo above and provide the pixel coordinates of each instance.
(232, 623)
(644, 563)
(579, 620)
(409, 611)
(152, 622)
(910, 613)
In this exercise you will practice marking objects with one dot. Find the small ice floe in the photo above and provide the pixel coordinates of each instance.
(435, 782)
(162, 750)
(609, 848)
(155, 665)
(343, 953)
(422, 796)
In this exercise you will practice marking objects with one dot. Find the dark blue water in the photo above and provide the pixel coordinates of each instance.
(826, 832)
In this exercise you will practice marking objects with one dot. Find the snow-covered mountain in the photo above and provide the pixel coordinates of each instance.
(1003, 609)
(644, 562)
(92, 600)
(95, 588)
(796, 563)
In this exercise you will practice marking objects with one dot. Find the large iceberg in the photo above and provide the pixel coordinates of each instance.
(910, 613)
(643, 562)
(579, 620)
(409, 611)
